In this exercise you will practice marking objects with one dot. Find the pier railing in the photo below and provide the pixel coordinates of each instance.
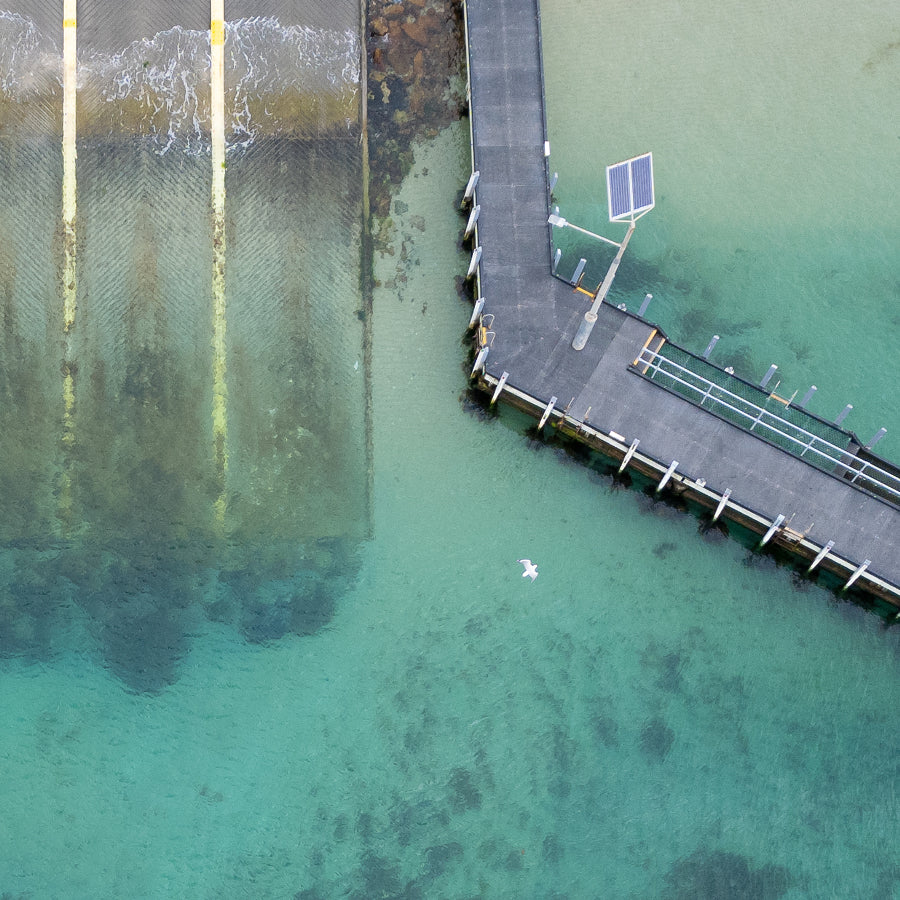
(771, 426)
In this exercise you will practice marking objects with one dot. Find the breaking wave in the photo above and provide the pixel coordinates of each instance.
(158, 87)
(30, 62)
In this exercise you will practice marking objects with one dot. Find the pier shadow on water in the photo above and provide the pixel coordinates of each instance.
(121, 531)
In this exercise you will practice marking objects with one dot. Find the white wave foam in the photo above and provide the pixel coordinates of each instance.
(30, 62)
(168, 74)
(263, 58)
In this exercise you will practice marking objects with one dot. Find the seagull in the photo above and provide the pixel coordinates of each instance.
(530, 569)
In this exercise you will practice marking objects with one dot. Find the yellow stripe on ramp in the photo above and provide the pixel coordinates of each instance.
(220, 387)
(69, 269)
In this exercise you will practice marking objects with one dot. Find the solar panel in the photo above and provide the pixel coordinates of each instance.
(630, 187)
(619, 192)
(642, 182)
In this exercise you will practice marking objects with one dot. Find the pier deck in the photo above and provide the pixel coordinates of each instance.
(601, 396)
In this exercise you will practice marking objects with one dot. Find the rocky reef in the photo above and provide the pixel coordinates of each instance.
(415, 86)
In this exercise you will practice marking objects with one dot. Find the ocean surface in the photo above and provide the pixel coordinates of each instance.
(344, 687)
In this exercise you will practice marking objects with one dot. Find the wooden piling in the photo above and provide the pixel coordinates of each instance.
(772, 529)
(669, 472)
(628, 455)
(546, 415)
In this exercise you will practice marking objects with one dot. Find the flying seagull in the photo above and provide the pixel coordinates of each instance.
(530, 569)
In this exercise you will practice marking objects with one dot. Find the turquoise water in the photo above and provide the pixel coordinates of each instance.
(661, 714)
(773, 139)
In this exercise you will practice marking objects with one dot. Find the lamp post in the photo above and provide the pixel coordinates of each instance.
(590, 317)
(629, 187)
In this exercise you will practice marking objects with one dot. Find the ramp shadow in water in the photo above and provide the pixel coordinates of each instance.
(109, 537)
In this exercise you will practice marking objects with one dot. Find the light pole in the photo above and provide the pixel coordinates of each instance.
(590, 317)
(629, 188)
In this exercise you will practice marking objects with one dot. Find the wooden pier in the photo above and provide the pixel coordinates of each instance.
(833, 504)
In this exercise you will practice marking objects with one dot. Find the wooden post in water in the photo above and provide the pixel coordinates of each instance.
(876, 438)
(723, 502)
(807, 396)
(768, 376)
(469, 192)
(473, 262)
(628, 455)
(820, 556)
(499, 389)
(547, 411)
(772, 529)
(473, 219)
(865, 565)
(669, 472)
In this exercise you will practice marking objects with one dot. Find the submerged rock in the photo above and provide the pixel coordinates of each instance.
(717, 875)
(415, 54)
(657, 739)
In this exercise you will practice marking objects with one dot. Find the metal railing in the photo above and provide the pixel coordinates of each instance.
(769, 426)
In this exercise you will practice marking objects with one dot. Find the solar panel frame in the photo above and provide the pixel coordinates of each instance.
(629, 187)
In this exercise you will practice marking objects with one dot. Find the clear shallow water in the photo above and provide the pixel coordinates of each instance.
(773, 132)
(650, 697)
(658, 715)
